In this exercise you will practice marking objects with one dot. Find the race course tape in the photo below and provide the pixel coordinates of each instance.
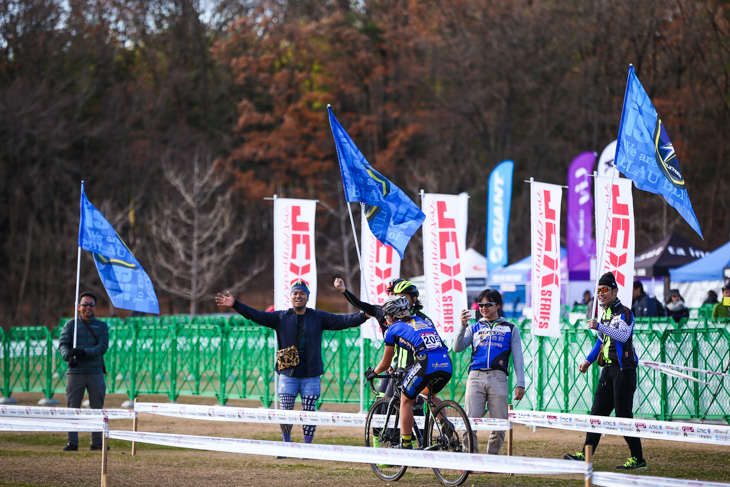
(29, 424)
(611, 479)
(283, 416)
(641, 428)
(64, 413)
(355, 454)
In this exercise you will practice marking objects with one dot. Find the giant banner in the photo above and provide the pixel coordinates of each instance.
(444, 245)
(294, 256)
(380, 264)
(579, 225)
(499, 200)
(545, 200)
(615, 233)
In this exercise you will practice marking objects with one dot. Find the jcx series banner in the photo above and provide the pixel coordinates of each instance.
(294, 256)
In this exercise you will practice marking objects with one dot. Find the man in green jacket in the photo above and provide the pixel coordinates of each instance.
(85, 357)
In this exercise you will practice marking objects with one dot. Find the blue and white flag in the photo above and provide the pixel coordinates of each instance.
(392, 216)
(126, 283)
(645, 154)
(499, 200)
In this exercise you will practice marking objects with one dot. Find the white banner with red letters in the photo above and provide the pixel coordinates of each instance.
(545, 201)
(380, 265)
(615, 233)
(444, 245)
(294, 256)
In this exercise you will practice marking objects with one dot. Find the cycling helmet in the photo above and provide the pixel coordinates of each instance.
(403, 287)
(396, 307)
(392, 283)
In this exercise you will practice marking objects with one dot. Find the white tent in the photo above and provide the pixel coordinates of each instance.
(475, 274)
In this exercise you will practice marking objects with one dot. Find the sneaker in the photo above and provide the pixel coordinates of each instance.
(579, 456)
(70, 447)
(403, 447)
(97, 448)
(633, 464)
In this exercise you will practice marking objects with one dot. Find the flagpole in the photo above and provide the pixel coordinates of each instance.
(78, 277)
(599, 263)
(367, 300)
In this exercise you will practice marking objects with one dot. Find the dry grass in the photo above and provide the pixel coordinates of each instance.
(36, 459)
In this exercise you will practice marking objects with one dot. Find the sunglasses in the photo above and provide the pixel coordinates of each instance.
(87, 304)
(604, 289)
(486, 305)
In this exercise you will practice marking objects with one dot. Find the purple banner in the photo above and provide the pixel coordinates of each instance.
(580, 210)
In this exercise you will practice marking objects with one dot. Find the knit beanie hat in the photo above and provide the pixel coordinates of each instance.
(608, 280)
(301, 285)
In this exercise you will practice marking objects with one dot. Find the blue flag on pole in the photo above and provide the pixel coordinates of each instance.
(392, 216)
(499, 201)
(126, 283)
(645, 154)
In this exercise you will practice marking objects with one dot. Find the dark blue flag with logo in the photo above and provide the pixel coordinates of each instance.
(126, 283)
(645, 154)
(392, 216)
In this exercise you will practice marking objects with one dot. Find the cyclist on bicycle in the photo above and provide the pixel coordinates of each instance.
(431, 367)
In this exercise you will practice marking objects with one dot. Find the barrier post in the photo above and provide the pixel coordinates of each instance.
(104, 456)
(134, 427)
(509, 435)
(589, 465)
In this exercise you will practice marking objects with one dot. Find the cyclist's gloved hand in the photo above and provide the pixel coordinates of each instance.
(370, 374)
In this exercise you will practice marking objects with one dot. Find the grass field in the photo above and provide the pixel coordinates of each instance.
(36, 459)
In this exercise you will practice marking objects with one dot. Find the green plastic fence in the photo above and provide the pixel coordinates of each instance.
(230, 357)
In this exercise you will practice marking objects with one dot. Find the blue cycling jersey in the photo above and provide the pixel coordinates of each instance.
(416, 335)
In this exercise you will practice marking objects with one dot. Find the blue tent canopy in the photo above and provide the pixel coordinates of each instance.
(708, 268)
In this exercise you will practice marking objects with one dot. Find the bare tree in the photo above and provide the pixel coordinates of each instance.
(197, 232)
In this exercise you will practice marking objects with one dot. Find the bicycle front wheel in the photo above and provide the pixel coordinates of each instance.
(377, 436)
(450, 430)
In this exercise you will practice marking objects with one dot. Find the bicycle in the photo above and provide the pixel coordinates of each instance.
(445, 428)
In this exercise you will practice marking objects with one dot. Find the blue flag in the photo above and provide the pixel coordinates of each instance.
(499, 201)
(392, 216)
(126, 283)
(645, 154)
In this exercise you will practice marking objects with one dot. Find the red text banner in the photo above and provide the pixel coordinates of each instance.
(444, 245)
(294, 256)
(545, 200)
(615, 232)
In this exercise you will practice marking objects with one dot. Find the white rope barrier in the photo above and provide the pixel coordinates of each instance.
(354, 454)
(48, 425)
(612, 479)
(67, 413)
(682, 367)
(642, 428)
(282, 416)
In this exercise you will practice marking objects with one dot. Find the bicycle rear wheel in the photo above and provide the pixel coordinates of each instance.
(382, 437)
(450, 430)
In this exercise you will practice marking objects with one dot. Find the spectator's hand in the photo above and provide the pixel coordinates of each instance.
(340, 284)
(593, 324)
(78, 352)
(584, 366)
(225, 299)
(465, 315)
(519, 393)
(370, 373)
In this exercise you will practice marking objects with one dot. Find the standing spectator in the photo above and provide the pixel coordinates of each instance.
(85, 363)
(641, 303)
(614, 351)
(493, 340)
(676, 307)
(301, 327)
(721, 310)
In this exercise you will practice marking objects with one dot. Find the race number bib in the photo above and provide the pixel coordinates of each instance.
(431, 340)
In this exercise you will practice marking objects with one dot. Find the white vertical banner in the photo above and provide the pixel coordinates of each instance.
(545, 202)
(380, 264)
(294, 256)
(615, 232)
(444, 245)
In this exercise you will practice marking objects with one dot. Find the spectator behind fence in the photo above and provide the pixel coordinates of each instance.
(641, 303)
(301, 328)
(721, 310)
(675, 306)
(614, 352)
(85, 363)
(492, 340)
(711, 298)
